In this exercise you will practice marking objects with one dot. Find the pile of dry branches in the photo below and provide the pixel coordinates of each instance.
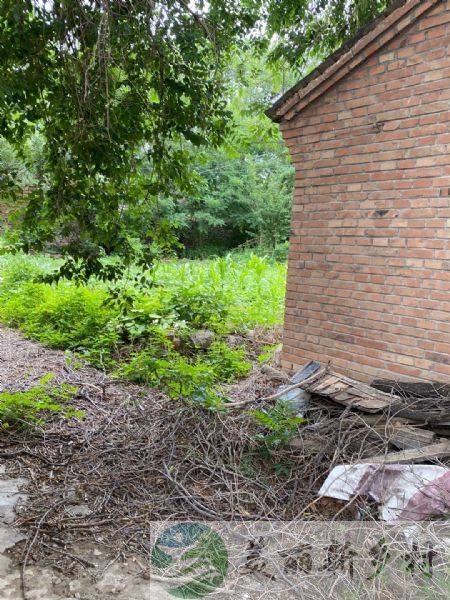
(139, 456)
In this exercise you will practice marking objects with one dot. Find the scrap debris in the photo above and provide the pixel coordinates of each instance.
(434, 451)
(404, 421)
(346, 391)
(401, 492)
(403, 434)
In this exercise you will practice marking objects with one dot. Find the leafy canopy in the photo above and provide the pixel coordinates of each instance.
(309, 30)
(114, 84)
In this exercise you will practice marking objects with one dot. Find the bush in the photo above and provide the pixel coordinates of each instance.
(181, 376)
(204, 252)
(200, 307)
(250, 286)
(17, 306)
(225, 295)
(228, 364)
(282, 424)
(68, 318)
(16, 269)
(281, 251)
(149, 314)
(64, 317)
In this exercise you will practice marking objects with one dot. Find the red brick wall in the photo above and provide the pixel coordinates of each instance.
(369, 262)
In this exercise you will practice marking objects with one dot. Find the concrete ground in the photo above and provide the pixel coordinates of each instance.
(119, 580)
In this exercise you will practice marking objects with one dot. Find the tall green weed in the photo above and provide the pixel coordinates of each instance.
(133, 331)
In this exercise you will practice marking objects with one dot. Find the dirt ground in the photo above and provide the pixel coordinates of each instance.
(94, 486)
(22, 364)
(77, 499)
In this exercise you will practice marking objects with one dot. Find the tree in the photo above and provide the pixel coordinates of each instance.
(113, 83)
(308, 31)
(243, 190)
(12, 169)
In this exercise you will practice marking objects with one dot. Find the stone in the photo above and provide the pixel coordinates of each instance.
(203, 338)
(79, 510)
(9, 536)
(10, 497)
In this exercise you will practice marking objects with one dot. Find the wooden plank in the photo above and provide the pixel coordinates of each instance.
(312, 379)
(306, 446)
(433, 451)
(325, 383)
(440, 428)
(335, 388)
(333, 385)
(375, 420)
(342, 397)
(406, 437)
(370, 405)
(407, 389)
(399, 432)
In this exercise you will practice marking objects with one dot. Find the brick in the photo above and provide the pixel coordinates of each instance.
(369, 261)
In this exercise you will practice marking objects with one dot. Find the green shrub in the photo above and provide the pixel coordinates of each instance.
(281, 251)
(252, 289)
(199, 307)
(148, 315)
(19, 409)
(204, 252)
(16, 269)
(145, 367)
(64, 316)
(69, 317)
(181, 377)
(228, 364)
(17, 305)
(195, 378)
(268, 353)
(224, 295)
(282, 424)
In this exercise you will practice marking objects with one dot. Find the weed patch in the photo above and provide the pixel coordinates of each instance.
(134, 330)
(22, 409)
(281, 424)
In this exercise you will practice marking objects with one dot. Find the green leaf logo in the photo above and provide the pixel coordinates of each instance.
(194, 555)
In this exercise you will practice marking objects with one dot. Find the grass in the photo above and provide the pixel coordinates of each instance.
(148, 338)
